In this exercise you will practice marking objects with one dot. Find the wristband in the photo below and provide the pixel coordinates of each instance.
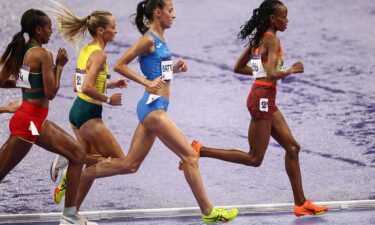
(108, 100)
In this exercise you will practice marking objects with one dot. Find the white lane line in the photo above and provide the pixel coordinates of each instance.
(179, 212)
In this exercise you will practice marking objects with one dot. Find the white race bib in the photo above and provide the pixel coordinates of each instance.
(152, 98)
(80, 76)
(33, 129)
(23, 77)
(167, 69)
(257, 67)
(263, 104)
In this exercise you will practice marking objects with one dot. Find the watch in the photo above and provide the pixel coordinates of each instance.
(108, 100)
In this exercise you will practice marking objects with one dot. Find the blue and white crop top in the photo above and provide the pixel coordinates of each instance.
(158, 62)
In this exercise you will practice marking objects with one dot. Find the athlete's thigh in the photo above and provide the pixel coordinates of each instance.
(281, 132)
(165, 129)
(101, 138)
(12, 152)
(84, 142)
(259, 136)
(54, 139)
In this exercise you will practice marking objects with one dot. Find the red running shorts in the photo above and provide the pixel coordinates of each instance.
(261, 101)
(27, 121)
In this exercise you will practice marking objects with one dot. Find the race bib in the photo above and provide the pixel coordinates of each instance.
(33, 129)
(257, 67)
(263, 104)
(23, 77)
(167, 68)
(152, 98)
(80, 76)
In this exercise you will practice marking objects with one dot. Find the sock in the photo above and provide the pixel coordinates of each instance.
(70, 211)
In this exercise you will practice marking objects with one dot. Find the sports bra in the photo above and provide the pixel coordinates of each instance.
(157, 63)
(30, 80)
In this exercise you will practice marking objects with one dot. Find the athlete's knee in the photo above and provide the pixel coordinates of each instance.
(76, 155)
(256, 162)
(253, 161)
(190, 157)
(191, 160)
(127, 168)
(294, 149)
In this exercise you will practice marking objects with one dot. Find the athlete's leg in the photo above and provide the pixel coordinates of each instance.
(101, 137)
(282, 134)
(140, 146)
(105, 146)
(84, 187)
(92, 155)
(258, 137)
(12, 153)
(160, 124)
(55, 139)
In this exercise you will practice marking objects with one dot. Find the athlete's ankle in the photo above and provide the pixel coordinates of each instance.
(70, 211)
(300, 202)
(208, 210)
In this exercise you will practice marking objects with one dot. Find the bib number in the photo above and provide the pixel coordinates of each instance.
(23, 77)
(80, 77)
(257, 67)
(263, 105)
(167, 68)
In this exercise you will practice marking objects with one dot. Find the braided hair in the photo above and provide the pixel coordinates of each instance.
(258, 24)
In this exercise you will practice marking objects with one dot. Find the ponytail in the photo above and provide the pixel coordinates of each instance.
(12, 58)
(144, 15)
(74, 28)
(140, 20)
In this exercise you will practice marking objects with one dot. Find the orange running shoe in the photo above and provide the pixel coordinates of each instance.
(308, 208)
(197, 147)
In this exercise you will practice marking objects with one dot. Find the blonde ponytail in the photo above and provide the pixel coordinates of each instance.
(74, 28)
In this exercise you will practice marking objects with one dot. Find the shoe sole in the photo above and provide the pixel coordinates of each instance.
(53, 166)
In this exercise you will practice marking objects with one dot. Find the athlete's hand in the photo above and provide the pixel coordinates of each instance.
(180, 66)
(62, 57)
(158, 83)
(115, 99)
(118, 83)
(13, 107)
(297, 67)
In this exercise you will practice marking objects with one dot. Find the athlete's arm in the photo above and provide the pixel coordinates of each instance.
(273, 45)
(10, 108)
(117, 83)
(241, 66)
(95, 64)
(141, 47)
(74, 84)
(51, 75)
(8, 84)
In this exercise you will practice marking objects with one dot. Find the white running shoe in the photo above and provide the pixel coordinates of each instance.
(76, 219)
(59, 163)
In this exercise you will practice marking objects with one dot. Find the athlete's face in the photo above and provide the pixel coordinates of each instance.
(110, 30)
(281, 18)
(45, 31)
(167, 15)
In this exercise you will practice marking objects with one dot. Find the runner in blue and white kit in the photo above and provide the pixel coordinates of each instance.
(156, 64)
